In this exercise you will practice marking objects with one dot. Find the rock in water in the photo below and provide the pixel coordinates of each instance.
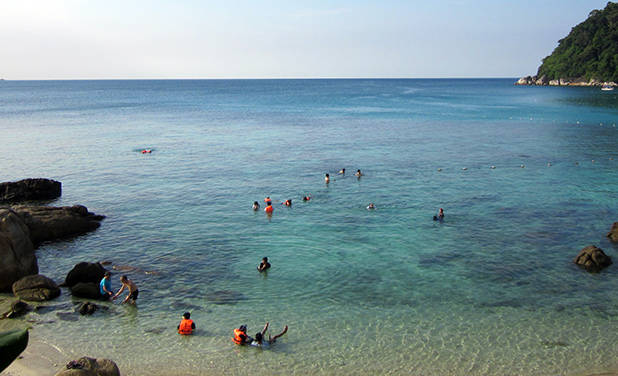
(29, 189)
(18, 308)
(17, 257)
(12, 343)
(36, 288)
(613, 232)
(90, 367)
(88, 308)
(86, 290)
(50, 223)
(592, 258)
(85, 272)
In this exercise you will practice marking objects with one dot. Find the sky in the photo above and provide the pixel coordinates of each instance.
(152, 39)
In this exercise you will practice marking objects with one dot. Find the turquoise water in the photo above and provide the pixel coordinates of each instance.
(490, 291)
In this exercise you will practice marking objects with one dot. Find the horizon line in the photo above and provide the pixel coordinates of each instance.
(257, 78)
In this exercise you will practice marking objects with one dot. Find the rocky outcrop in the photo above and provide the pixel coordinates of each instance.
(17, 257)
(36, 288)
(544, 81)
(613, 232)
(87, 308)
(90, 367)
(85, 272)
(86, 290)
(18, 308)
(29, 190)
(50, 223)
(593, 259)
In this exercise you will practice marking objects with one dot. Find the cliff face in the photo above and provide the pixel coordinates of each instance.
(588, 56)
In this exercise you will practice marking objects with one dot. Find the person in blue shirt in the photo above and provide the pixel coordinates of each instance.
(105, 287)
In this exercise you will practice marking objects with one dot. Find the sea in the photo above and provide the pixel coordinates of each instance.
(527, 177)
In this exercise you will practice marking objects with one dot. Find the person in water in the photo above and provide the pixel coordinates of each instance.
(327, 178)
(105, 287)
(440, 215)
(342, 171)
(288, 202)
(269, 208)
(240, 336)
(259, 337)
(371, 206)
(267, 200)
(358, 173)
(264, 265)
(306, 198)
(186, 326)
(131, 286)
(256, 206)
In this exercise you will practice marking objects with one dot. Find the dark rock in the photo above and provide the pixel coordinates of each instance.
(51, 223)
(18, 308)
(36, 288)
(224, 297)
(613, 232)
(85, 272)
(592, 258)
(86, 290)
(88, 308)
(29, 189)
(17, 257)
(90, 367)
(67, 316)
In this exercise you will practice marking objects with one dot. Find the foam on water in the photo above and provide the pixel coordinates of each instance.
(490, 291)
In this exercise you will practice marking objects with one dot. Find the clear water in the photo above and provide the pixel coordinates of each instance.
(491, 291)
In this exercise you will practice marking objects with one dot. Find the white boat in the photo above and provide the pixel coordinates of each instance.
(607, 88)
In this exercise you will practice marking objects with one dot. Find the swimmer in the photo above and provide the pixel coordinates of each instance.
(256, 206)
(269, 208)
(306, 198)
(146, 151)
(186, 326)
(267, 200)
(287, 202)
(358, 173)
(259, 337)
(371, 206)
(264, 265)
(327, 178)
(342, 171)
(240, 336)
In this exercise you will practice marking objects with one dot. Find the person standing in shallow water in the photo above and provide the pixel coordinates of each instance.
(264, 265)
(186, 326)
(269, 208)
(105, 287)
(327, 178)
(131, 286)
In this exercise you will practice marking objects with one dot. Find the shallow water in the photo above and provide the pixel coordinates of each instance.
(490, 291)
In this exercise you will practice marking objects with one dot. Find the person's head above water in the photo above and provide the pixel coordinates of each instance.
(242, 328)
(258, 337)
(186, 315)
(265, 259)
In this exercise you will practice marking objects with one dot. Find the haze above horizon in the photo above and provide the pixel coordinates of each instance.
(186, 39)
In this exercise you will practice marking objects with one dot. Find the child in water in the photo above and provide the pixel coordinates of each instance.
(264, 265)
(131, 286)
(259, 337)
(186, 326)
(256, 206)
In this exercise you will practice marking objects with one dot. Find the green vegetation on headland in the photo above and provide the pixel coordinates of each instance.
(588, 56)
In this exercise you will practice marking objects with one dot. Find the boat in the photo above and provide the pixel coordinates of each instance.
(607, 88)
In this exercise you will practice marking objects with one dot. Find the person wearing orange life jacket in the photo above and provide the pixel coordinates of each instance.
(240, 336)
(269, 208)
(186, 325)
(267, 200)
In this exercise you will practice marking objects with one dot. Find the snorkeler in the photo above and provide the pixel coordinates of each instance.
(287, 202)
(306, 198)
(371, 206)
(256, 206)
(259, 337)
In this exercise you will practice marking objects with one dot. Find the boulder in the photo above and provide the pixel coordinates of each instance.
(18, 308)
(29, 189)
(85, 272)
(50, 223)
(17, 257)
(87, 308)
(90, 367)
(592, 258)
(542, 81)
(554, 82)
(524, 81)
(36, 288)
(87, 290)
(613, 232)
